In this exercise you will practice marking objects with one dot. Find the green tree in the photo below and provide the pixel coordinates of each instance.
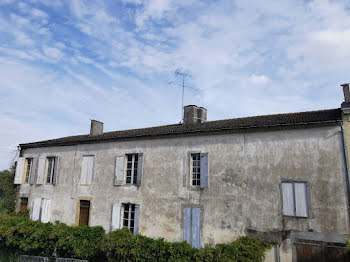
(7, 191)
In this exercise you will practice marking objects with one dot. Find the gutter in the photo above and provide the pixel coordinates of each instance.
(346, 164)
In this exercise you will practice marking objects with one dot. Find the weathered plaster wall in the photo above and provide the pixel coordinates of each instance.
(246, 170)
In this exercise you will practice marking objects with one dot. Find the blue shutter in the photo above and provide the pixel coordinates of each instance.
(204, 171)
(139, 169)
(55, 171)
(187, 225)
(196, 217)
(136, 219)
(32, 170)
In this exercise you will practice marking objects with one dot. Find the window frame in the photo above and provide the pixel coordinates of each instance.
(307, 199)
(198, 167)
(133, 170)
(131, 212)
(52, 169)
(26, 171)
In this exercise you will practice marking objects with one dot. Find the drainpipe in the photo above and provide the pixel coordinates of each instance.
(346, 164)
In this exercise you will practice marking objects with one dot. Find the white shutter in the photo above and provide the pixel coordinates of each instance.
(87, 170)
(19, 170)
(288, 199)
(115, 223)
(90, 172)
(36, 209)
(119, 170)
(45, 216)
(41, 171)
(301, 205)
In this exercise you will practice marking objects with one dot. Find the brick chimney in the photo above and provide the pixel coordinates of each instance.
(96, 128)
(346, 94)
(194, 114)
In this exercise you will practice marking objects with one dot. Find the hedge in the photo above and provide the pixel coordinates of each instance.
(19, 235)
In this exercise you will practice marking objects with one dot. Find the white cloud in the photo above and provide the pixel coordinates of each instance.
(259, 79)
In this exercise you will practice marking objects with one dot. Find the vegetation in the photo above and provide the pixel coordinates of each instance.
(7, 191)
(19, 235)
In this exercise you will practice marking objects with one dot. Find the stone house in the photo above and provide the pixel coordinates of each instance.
(282, 178)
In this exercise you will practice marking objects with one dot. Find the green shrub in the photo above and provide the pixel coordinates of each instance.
(19, 235)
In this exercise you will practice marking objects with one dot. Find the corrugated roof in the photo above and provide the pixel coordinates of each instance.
(265, 121)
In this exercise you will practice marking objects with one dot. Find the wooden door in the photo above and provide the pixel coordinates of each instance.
(84, 213)
(24, 203)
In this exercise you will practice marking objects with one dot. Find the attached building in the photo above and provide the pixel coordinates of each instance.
(279, 177)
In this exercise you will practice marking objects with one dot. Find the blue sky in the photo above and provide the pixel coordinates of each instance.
(63, 63)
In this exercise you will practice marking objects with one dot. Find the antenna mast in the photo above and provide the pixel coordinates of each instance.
(183, 75)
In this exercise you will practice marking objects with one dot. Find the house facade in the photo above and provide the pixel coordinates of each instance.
(282, 178)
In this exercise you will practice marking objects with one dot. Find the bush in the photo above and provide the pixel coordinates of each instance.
(19, 235)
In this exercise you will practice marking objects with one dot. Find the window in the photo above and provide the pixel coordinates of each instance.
(87, 170)
(199, 170)
(28, 168)
(84, 212)
(24, 204)
(131, 168)
(131, 217)
(51, 165)
(192, 226)
(295, 201)
(128, 169)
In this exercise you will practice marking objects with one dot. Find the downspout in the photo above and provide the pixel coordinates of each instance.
(346, 166)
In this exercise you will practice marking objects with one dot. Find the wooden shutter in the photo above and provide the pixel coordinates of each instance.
(187, 225)
(19, 170)
(87, 170)
(115, 223)
(136, 219)
(196, 218)
(55, 171)
(301, 206)
(32, 170)
(139, 169)
(36, 209)
(41, 171)
(119, 170)
(45, 215)
(288, 199)
(204, 182)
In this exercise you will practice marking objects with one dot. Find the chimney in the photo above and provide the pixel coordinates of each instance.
(194, 114)
(346, 93)
(96, 128)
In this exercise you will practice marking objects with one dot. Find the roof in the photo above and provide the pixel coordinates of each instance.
(287, 120)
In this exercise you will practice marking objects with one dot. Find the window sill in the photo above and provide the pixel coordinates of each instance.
(287, 216)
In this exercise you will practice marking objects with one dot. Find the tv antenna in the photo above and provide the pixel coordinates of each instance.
(183, 75)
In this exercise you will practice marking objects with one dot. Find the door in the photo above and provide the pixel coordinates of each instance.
(24, 204)
(84, 213)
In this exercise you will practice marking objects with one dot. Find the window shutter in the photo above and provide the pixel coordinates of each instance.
(45, 216)
(115, 223)
(41, 171)
(119, 170)
(187, 225)
(32, 171)
(136, 221)
(36, 209)
(139, 169)
(204, 171)
(301, 205)
(288, 199)
(87, 170)
(55, 171)
(19, 170)
(196, 218)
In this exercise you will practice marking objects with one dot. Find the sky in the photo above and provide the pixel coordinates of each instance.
(63, 63)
